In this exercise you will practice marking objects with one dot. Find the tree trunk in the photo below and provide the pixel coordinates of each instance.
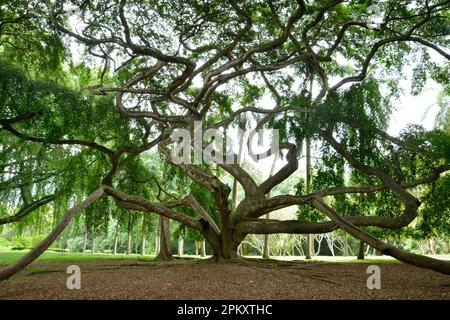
(266, 253)
(309, 237)
(361, 250)
(116, 239)
(203, 249)
(143, 245)
(432, 246)
(180, 246)
(345, 246)
(143, 236)
(12, 269)
(129, 242)
(165, 253)
(93, 243)
(85, 240)
(266, 250)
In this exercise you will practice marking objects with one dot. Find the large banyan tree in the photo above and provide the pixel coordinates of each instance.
(324, 73)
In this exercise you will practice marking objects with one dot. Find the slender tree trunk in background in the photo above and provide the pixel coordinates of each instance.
(266, 254)
(28, 258)
(165, 253)
(85, 240)
(143, 245)
(180, 246)
(136, 245)
(309, 237)
(129, 242)
(116, 238)
(129, 229)
(432, 246)
(361, 250)
(93, 243)
(345, 251)
(203, 249)
(143, 236)
(157, 242)
(266, 249)
(196, 248)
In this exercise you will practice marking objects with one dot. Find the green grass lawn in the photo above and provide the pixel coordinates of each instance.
(7, 257)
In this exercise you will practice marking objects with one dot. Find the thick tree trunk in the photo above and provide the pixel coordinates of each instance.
(12, 269)
(165, 253)
(361, 250)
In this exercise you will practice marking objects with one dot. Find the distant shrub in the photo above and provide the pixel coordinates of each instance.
(75, 244)
(22, 242)
(4, 243)
(36, 239)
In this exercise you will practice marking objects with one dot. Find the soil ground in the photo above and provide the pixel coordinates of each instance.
(245, 279)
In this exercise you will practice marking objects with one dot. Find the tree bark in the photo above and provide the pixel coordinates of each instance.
(12, 269)
(361, 250)
(165, 253)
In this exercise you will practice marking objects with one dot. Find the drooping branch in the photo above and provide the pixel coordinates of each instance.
(404, 256)
(27, 209)
(162, 208)
(89, 144)
(28, 258)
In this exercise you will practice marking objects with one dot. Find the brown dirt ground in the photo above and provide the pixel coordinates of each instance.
(191, 279)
